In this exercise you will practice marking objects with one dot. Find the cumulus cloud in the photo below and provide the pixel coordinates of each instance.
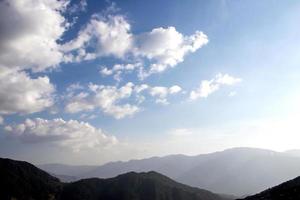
(118, 69)
(174, 89)
(107, 98)
(29, 40)
(112, 100)
(21, 94)
(71, 134)
(80, 6)
(106, 35)
(166, 47)
(208, 87)
(30, 31)
(111, 35)
(162, 93)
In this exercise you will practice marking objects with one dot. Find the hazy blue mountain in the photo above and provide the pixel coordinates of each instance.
(23, 181)
(67, 170)
(66, 178)
(235, 171)
(289, 190)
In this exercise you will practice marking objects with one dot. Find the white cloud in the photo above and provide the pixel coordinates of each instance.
(112, 100)
(141, 88)
(205, 89)
(21, 94)
(226, 79)
(106, 72)
(74, 87)
(159, 91)
(119, 69)
(71, 134)
(174, 89)
(81, 6)
(111, 35)
(29, 33)
(208, 87)
(166, 47)
(29, 39)
(162, 93)
(107, 98)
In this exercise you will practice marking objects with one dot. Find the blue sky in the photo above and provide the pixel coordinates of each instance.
(95, 81)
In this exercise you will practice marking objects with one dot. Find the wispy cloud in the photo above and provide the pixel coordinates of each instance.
(207, 87)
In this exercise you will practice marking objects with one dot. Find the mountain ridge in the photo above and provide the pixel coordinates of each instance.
(22, 181)
(289, 190)
(233, 171)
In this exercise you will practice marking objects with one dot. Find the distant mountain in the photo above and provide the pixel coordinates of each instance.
(289, 190)
(66, 178)
(23, 181)
(68, 170)
(235, 171)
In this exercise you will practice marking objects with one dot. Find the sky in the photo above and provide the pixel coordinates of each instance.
(88, 82)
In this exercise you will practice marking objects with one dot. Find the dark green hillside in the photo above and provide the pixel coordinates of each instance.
(22, 180)
(135, 186)
(289, 190)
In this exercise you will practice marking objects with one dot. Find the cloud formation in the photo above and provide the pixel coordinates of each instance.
(21, 94)
(208, 87)
(113, 100)
(39, 26)
(28, 27)
(162, 93)
(71, 134)
(106, 35)
(111, 35)
(118, 69)
(30, 32)
(106, 98)
(166, 47)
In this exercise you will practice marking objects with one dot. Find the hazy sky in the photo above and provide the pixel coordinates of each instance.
(87, 82)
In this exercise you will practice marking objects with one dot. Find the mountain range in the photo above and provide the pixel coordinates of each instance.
(235, 171)
(23, 181)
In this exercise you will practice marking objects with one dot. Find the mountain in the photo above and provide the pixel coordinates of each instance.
(66, 178)
(289, 190)
(68, 170)
(135, 186)
(23, 181)
(235, 171)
